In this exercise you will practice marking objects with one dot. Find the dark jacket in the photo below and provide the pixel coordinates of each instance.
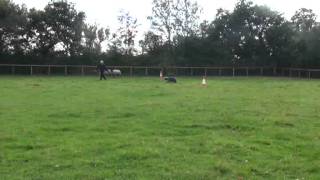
(101, 67)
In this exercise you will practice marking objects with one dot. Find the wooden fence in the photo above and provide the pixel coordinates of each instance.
(83, 70)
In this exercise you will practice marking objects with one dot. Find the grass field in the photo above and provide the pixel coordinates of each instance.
(141, 128)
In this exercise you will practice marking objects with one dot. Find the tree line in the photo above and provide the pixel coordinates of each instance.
(249, 35)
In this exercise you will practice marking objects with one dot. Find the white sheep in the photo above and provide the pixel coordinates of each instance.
(114, 72)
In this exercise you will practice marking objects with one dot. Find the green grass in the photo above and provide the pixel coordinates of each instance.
(141, 128)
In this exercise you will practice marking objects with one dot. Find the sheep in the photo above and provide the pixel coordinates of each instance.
(114, 72)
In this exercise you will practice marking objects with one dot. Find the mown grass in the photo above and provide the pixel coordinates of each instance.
(141, 128)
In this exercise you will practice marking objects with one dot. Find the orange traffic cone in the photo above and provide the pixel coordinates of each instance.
(204, 81)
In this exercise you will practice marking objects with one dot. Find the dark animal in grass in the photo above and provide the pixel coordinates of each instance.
(171, 79)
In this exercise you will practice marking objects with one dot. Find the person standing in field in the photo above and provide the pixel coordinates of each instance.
(102, 68)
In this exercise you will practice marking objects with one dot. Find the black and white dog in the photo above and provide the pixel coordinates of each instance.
(170, 79)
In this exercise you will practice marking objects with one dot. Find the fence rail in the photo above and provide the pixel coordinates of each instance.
(67, 70)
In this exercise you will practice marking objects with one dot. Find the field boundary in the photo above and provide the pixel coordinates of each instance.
(83, 70)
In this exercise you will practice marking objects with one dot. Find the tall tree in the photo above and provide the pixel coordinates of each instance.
(40, 34)
(151, 43)
(187, 15)
(304, 19)
(204, 28)
(58, 28)
(67, 24)
(263, 22)
(163, 18)
(90, 37)
(13, 27)
(93, 38)
(305, 25)
(281, 45)
(128, 32)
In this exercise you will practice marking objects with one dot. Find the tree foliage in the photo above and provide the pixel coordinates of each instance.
(13, 28)
(127, 33)
(249, 35)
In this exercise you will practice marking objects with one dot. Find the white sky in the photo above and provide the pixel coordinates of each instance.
(105, 12)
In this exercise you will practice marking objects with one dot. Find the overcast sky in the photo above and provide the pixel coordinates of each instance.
(105, 12)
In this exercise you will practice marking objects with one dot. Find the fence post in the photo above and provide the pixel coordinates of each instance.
(220, 72)
(131, 70)
(290, 72)
(31, 70)
(191, 71)
(205, 72)
(261, 71)
(233, 71)
(309, 74)
(65, 70)
(299, 74)
(13, 70)
(274, 71)
(82, 70)
(147, 73)
(49, 70)
(247, 71)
